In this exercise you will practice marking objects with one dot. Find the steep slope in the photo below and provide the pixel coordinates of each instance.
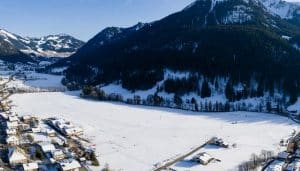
(10, 53)
(107, 36)
(286, 10)
(239, 39)
(61, 45)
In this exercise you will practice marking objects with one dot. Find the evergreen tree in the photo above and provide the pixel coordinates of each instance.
(205, 90)
(217, 107)
(227, 107)
(293, 98)
(260, 90)
(269, 106)
(101, 94)
(210, 106)
(194, 101)
(177, 100)
(87, 89)
(206, 106)
(229, 91)
(158, 100)
(217, 86)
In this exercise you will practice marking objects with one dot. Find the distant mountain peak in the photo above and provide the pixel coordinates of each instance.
(284, 9)
(281, 8)
(56, 45)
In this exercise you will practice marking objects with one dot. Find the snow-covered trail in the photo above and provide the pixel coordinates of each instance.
(134, 138)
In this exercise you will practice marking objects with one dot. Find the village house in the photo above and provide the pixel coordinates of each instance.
(12, 140)
(50, 132)
(219, 142)
(4, 116)
(294, 143)
(294, 166)
(284, 155)
(69, 165)
(11, 132)
(47, 147)
(5, 107)
(203, 158)
(76, 131)
(297, 153)
(12, 125)
(36, 130)
(26, 119)
(30, 167)
(58, 154)
(13, 118)
(276, 165)
(67, 128)
(24, 127)
(16, 156)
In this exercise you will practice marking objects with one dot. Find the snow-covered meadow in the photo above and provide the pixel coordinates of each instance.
(134, 138)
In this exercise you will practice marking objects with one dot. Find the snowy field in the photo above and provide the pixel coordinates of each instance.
(134, 138)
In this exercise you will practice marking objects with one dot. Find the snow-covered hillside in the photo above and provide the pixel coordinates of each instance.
(284, 9)
(60, 45)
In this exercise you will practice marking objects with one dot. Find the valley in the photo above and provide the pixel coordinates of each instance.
(214, 86)
(138, 138)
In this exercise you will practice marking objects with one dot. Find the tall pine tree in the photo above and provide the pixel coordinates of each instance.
(229, 91)
(205, 90)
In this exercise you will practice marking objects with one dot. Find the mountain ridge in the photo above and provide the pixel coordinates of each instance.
(235, 39)
(59, 45)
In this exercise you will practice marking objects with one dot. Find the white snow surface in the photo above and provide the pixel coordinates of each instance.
(134, 138)
(281, 8)
(296, 47)
(295, 107)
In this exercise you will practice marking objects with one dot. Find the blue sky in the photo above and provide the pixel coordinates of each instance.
(80, 18)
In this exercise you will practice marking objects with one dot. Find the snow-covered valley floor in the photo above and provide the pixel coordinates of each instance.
(134, 138)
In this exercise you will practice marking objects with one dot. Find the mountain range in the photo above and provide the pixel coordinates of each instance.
(239, 39)
(60, 45)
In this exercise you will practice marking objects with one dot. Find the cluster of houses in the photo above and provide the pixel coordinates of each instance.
(30, 144)
(65, 127)
(288, 160)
